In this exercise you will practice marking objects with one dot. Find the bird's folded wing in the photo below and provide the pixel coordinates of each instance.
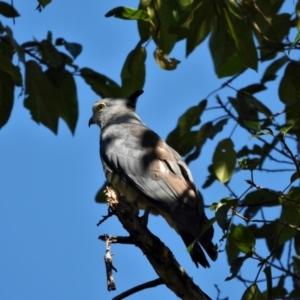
(146, 163)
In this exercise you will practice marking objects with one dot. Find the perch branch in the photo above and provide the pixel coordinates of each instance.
(159, 256)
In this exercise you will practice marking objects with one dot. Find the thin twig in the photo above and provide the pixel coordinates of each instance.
(290, 153)
(138, 288)
(110, 213)
(125, 240)
(278, 194)
(265, 221)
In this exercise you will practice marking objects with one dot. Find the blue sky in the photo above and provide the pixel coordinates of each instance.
(49, 239)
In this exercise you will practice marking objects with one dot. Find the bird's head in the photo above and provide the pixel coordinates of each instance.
(109, 110)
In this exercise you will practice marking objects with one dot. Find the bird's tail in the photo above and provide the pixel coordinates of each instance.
(196, 252)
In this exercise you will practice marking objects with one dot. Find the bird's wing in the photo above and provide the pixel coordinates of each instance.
(144, 161)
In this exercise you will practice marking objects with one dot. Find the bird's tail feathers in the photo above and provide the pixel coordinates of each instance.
(196, 252)
(210, 250)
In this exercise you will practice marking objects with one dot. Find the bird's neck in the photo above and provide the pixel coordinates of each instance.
(127, 118)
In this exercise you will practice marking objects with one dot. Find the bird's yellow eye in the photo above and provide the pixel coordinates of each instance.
(101, 107)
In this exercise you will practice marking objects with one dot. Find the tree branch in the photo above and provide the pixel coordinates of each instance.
(146, 285)
(159, 256)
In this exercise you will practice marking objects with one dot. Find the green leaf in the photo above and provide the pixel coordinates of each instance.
(289, 88)
(252, 125)
(200, 26)
(182, 138)
(236, 265)
(101, 84)
(222, 212)
(279, 291)
(144, 28)
(254, 201)
(290, 215)
(261, 197)
(279, 29)
(242, 35)
(224, 159)
(231, 249)
(252, 89)
(128, 13)
(66, 95)
(31, 44)
(210, 178)
(243, 238)
(294, 177)
(100, 196)
(165, 21)
(216, 128)
(254, 103)
(6, 97)
(134, 71)
(271, 70)
(7, 10)
(10, 39)
(44, 3)
(50, 54)
(284, 130)
(245, 151)
(247, 108)
(268, 232)
(41, 96)
(74, 48)
(227, 61)
(253, 293)
(248, 164)
(268, 273)
(297, 38)
(7, 66)
(199, 140)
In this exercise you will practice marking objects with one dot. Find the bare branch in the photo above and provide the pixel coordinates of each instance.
(109, 266)
(138, 288)
(126, 240)
(110, 213)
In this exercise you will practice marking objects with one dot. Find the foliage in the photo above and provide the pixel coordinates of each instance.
(245, 34)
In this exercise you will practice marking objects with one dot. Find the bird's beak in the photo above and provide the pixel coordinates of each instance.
(91, 121)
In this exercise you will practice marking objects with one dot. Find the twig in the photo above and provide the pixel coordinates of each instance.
(138, 288)
(265, 221)
(125, 240)
(290, 153)
(109, 266)
(230, 190)
(12, 11)
(110, 213)
(278, 194)
(276, 170)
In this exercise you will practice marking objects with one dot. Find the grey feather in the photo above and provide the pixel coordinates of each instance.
(138, 163)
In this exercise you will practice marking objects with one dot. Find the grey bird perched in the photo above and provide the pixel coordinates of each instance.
(142, 167)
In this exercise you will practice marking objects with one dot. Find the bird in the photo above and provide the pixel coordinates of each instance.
(140, 165)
